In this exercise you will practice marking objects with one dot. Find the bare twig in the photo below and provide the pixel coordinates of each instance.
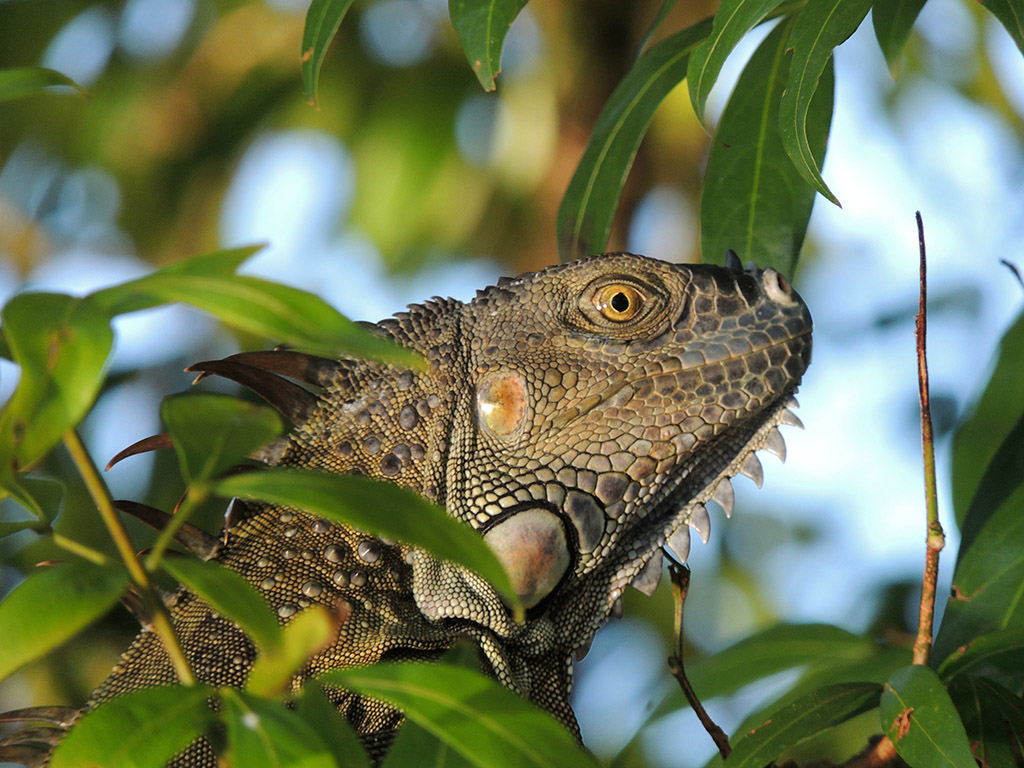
(105, 504)
(680, 585)
(936, 539)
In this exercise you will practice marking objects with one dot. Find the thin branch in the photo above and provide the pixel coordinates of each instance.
(83, 551)
(936, 539)
(105, 504)
(680, 586)
(881, 754)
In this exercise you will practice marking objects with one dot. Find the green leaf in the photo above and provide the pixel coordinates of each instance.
(994, 416)
(819, 28)
(51, 606)
(313, 706)
(993, 719)
(212, 433)
(138, 729)
(588, 207)
(263, 733)
(754, 200)
(304, 635)
(893, 20)
(988, 584)
(271, 311)
(417, 746)
(1011, 15)
(918, 717)
(40, 495)
(62, 345)
(138, 294)
(663, 12)
(733, 20)
(379, 508)
(482, 26)
(997, 655)
(798, 721)
(18, 82)
(322, 21)
(229, 594)
(485, 722)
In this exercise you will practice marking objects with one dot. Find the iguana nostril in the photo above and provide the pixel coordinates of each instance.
(777, 287)
(531, 546)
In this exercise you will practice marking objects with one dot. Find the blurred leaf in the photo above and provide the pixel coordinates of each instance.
(893, 20)
(313, 706)
(265, 733)
(138, 294)
(62, 344)
(997, 655)
(1011, 15)
(1003, 476)
(138, 729)
(303, 636)
(987, 584)
(51, 606)
(993, 719)
(322, 21)
(997, 411)
(253, 305)
(212, 433)
(663, 12)
(488, 724)
(19, 82)
(8, 528)
(732, 21)
(797, 722)
(819, 28)
(415, 745)
(376, 507)
(586, 213)
(482, 26)
(229, 594)
(40, 495)
(754, 200)
(918, 717)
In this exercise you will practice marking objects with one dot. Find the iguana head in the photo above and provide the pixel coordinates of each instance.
(607, 400)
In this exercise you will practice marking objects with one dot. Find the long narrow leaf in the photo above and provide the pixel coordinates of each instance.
(486, 723)
(19, 82)
(322, 21)
(588, 207)
(482, 26)
(733, 20)
(819, 28)
(51, 606)
(264, 734)
(1011, 15)
(893, 21)
(374, 507)
(800, 720)
(918, 717)
(754, 200)
(140, 729)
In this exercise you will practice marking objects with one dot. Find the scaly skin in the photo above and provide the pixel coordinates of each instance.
(578, 417)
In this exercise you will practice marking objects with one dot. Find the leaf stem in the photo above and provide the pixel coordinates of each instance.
(82, 550)
(194, 496)
(936, 539)
(105, 505)
(680, 586)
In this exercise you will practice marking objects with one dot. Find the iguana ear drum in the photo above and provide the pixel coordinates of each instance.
(501, 402)
(531, 546)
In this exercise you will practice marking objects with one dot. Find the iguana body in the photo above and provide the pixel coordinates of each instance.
(578, 417)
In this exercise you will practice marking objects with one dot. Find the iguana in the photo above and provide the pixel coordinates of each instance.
(579, 418)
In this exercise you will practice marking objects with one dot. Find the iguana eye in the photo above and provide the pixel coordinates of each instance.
(618, 301)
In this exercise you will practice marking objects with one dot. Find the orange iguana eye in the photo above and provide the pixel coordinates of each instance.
(618, 301)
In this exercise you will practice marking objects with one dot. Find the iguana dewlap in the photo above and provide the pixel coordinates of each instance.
(578, 417)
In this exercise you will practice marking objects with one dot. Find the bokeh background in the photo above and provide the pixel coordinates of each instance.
(409, 181)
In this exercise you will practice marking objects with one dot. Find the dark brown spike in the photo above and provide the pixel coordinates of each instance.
(61, 717)
(33, 757)
(292, 401)
(194, 539)
(319, 371)
(133, 601)
(38, 735)
(151, 443)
